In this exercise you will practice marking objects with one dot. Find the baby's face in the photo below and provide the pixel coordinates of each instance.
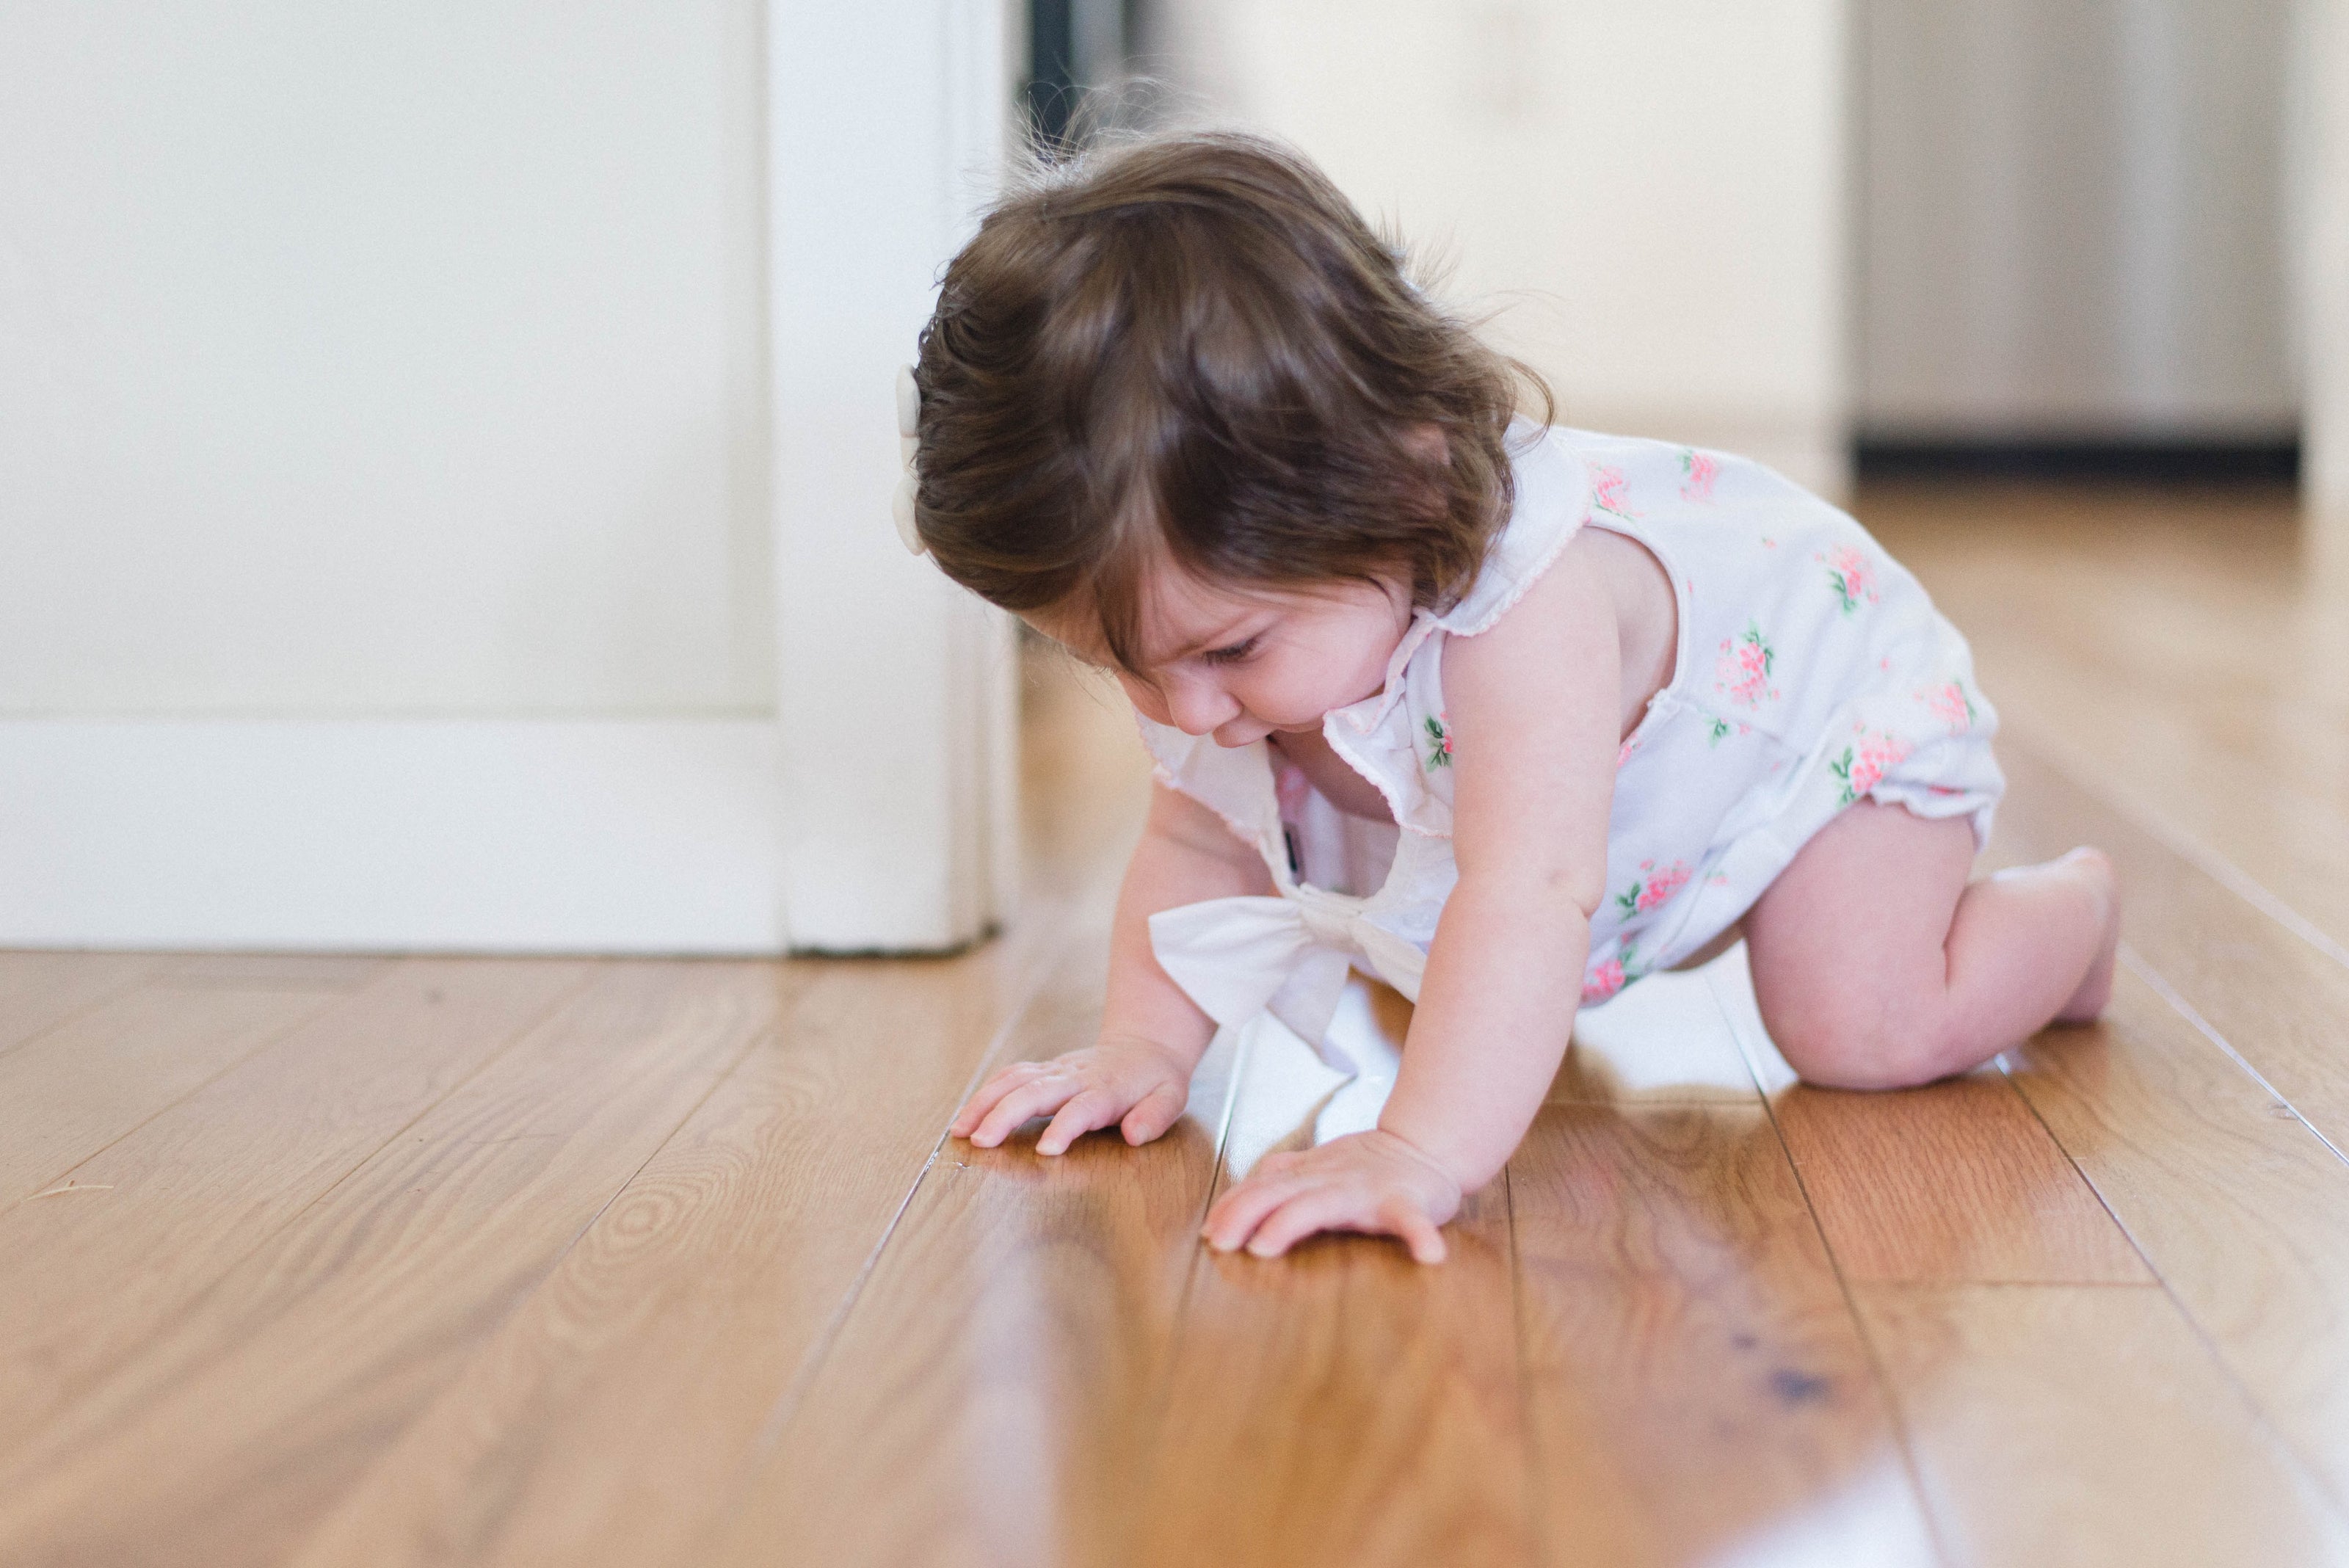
(1239, 663)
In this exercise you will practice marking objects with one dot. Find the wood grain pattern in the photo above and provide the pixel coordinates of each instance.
(2088, 1424)
(1694, 1378)
(40, 991)
(295, 972)
(68, 1092)
(1955, 1181)
(2279, 1001)
(2241, 1210)
(158, 1216)
(234, 1428)
(1344, 1404)
(1017, 1293)
(610, 1418)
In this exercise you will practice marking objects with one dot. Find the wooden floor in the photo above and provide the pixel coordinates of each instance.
(352, 1261)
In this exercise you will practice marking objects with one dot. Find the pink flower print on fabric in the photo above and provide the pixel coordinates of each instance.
(1719, 729)
(1439, 741)
(1743, 671)
(1606, 487)
(1949, 704)
(1698, 471)
(1865, 763)
(1605, 980)
(1623, 753)
(1851, 574)
(1651, 887)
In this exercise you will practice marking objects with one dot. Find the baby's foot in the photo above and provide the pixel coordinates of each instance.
(2096, 986)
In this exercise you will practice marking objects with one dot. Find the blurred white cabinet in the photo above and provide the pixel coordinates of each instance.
(445, 459)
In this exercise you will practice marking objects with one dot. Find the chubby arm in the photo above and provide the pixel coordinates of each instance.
(1138, 1072)
(1533, 706)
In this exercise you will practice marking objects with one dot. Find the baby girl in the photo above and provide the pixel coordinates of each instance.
(1503, 714)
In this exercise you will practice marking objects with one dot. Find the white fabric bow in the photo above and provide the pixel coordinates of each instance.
(1288, 956)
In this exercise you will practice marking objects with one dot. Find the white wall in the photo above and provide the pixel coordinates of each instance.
(445, 463)
(1657, 190)
(382, 357)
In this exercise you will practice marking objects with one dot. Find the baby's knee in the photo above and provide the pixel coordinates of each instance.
(1875, 1045)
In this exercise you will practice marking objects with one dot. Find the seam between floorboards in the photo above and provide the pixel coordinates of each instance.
(2210, 1348)
(1891, 1396)
(787, 1404)
(229, 1265)
(513, 1039)
(1154, 1415)
(2159, 984)
(331, 1001)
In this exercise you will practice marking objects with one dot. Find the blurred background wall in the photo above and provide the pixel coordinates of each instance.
(2082, 236)
(1652, 194)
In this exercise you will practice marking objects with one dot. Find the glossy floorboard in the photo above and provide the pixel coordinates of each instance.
(360, 1262)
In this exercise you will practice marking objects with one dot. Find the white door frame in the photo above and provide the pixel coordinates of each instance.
(898, 691)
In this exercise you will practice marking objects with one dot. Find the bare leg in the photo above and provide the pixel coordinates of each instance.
(1876, 964)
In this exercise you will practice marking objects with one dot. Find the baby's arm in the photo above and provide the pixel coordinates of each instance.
(1138, 1074)
(1534, 705)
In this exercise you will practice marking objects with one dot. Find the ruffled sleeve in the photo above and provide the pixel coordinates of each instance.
(1553, 497)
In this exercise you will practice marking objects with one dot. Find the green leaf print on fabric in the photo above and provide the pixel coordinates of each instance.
(1651, 887)
(1439, 743)
(1716, 731)
(1864, 764)
(1850, 575)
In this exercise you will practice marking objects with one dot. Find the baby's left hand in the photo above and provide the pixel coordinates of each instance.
(1369, 1181)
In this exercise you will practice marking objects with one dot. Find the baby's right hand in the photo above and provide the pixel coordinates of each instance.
(1139, 1084)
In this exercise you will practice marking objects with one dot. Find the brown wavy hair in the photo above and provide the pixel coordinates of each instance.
(1191, 348)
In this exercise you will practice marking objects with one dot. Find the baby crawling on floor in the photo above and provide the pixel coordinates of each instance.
(1505, 714)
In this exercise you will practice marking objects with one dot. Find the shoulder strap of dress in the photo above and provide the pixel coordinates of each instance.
(1553, 497)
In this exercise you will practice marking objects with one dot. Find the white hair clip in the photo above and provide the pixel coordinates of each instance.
(909, 447)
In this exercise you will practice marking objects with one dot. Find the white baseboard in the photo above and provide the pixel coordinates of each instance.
(627, 837)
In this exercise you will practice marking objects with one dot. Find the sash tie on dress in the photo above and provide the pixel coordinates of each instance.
(1288, 956)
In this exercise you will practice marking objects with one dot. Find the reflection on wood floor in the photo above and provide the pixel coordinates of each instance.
(445, 1260)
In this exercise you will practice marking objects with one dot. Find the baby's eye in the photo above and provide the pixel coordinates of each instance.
(1231, 655)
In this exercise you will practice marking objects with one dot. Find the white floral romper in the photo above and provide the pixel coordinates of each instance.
(1812, 671)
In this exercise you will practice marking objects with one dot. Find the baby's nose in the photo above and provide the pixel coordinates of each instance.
(1198, 707)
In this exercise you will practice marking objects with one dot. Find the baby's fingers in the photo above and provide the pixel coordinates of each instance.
(1334, 1207)
(1400, 1217)
(1086, 1110)
(1001, 1082)
(1158, 1110)
(1344, 1208)
(1035, 1097)
(1238, 1212)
